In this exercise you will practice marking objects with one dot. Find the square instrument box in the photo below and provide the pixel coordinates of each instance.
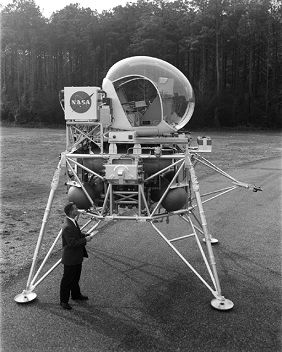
(81, 103)
(204, 144)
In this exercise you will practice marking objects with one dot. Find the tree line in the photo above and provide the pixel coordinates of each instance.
(230, 50)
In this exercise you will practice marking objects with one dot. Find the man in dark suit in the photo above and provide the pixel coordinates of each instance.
(74, 251)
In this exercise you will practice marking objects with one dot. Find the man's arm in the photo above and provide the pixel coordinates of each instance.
(72, 238)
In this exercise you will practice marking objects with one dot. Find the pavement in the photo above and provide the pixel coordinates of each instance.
(142, 296)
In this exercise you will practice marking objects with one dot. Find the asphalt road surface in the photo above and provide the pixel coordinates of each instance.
(144, 298)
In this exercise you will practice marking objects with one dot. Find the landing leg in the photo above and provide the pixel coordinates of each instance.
(219, 302)
(28, 295)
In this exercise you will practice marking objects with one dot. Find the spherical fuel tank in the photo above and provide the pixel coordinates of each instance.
(175, 199)
(77, 195)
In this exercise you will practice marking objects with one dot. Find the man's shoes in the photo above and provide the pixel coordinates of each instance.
(80, 298)
(66, 306)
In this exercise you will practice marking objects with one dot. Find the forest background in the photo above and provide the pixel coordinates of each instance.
(230, 51)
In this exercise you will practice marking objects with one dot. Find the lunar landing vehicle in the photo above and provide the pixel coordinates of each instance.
(128, 158)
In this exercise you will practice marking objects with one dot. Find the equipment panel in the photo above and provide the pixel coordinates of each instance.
(81, 103)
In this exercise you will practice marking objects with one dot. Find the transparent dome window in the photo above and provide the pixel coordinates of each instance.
(155, 89)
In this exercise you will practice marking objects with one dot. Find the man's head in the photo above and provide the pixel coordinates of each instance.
(71, 210)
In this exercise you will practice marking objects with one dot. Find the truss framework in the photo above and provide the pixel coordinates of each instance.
(114, 198)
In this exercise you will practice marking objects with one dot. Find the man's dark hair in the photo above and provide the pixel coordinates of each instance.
(68, 208)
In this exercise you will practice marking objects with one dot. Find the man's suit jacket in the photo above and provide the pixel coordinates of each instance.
(74, 242)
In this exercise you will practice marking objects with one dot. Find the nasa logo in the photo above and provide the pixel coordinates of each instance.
(80, 102)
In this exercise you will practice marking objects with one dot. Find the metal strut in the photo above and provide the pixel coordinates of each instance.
(219, 302)
(28, 295)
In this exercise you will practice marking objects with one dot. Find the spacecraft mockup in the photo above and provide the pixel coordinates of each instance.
(126, 149)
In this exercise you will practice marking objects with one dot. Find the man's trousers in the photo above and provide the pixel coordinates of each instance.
(70, 282)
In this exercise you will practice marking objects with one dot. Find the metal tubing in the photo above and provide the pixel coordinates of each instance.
(46, 274)
(163, 170)
(222, 190)
(87, 223)
(144, 199)
(40, 237)
(184, 260)
(139, 200)
(218, 195)
(105, 200)
(111, 198)
(70, 123)
(86, 168)
(214, 167)
(46, 257)
(196, 189)
(208, 243)
(201, 248)
(94, 227)
(181, 238)
(142, 156)
(54, 185)
(87, 156)
(166, 191)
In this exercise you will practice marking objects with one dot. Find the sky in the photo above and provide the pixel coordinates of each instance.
(49, 6)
